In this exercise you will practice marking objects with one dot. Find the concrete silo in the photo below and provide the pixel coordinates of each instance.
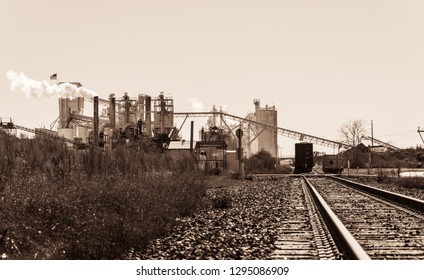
(266, 139)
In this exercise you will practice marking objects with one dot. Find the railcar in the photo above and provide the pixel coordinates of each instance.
(333, 164)
(304, 158)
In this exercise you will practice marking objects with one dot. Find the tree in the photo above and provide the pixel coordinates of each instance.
(351, 133)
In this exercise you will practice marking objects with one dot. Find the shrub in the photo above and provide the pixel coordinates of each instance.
(263, 162)
(222, 200)
(59, 203)
(412, 182)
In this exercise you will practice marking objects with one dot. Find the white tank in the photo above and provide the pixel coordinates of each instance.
(67, 133)
(82, 132)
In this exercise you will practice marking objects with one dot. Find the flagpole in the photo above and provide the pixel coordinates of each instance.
(54, 77)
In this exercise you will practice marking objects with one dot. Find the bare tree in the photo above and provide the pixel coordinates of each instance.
(351, 133)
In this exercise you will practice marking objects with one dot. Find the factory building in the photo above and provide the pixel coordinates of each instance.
(121, 119)
(67, 129)
(257, 137)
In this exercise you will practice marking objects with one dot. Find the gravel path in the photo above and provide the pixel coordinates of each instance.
(242, 220)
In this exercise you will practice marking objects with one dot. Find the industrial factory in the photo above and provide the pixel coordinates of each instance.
(150, 121)
(125, 120)
(117, 120)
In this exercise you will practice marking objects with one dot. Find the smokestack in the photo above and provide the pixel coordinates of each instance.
(112, 107)
(96, 120)
(127, 107)
(191, 136)
(162, 114)
(256, 102)
(63, 112)
(148, 117)
(202, 134)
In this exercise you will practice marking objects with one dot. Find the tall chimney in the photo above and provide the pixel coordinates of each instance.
(162, 114)
(96, 121)
(256, 102)
(127, 107)
(148, 118)
(112, 108)
(191, 136)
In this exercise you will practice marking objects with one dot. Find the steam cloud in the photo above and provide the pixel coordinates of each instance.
(196, 104)
(37, 89)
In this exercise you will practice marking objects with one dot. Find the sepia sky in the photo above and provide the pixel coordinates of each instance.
(321, 63)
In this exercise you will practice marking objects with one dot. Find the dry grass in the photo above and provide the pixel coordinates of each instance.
(63, 204)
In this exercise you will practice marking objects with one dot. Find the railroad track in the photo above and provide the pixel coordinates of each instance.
(380, 222)
(311, 230)
(302, 234)
(287, 217)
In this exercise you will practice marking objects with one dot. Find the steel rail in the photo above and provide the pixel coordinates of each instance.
(344, 240)
(409, 202)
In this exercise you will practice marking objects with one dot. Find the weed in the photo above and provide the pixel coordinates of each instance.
(412, 182)
(59, 203)
(222, 200)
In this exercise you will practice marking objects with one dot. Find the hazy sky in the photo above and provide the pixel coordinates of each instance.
(321, 63)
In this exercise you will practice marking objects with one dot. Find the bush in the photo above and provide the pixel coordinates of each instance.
(263, 162)
(412, 182)
(222, 200)
(59, 203)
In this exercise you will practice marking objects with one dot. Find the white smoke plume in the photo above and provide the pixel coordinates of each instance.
(196, 104)
(37, 89)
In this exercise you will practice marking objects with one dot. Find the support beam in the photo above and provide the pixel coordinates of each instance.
(280, 130)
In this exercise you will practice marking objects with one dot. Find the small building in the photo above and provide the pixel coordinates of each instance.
(378, 149)
(179, 149)
(215, 151)
(357, 156)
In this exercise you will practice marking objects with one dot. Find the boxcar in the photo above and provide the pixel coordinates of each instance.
(303, 158)
(333, 164)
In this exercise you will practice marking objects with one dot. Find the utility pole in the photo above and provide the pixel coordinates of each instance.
(419, 132)
(239, 133)
(369, 149)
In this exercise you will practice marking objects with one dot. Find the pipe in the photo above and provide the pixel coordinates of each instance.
(96, 121)
(127, 106)
(112, 108)
(191, 136)
(148, 117)
(162, 113)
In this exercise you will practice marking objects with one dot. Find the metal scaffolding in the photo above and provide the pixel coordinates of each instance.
(283, 131)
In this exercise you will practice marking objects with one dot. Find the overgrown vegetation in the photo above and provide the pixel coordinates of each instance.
(222, 200)
(58, 203)
(263, 162)
(411, 182)
(391, 177)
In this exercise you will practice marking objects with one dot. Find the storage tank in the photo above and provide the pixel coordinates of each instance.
(67, 133)
(82, 132)
(164, 115)
(67, 106)
(268, 139)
